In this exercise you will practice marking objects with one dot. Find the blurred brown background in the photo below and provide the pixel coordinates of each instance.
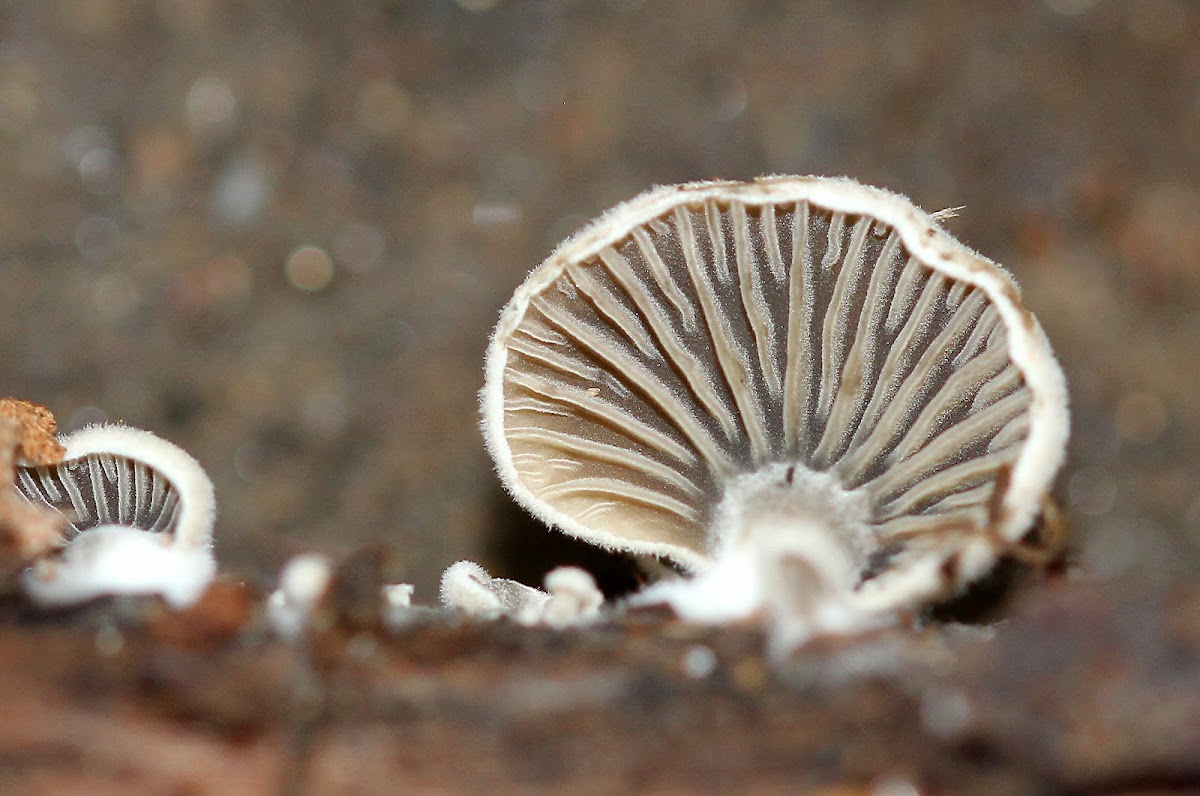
(279, 233)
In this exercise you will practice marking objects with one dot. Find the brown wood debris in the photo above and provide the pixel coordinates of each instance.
(27, 436)
(1085, 688)
(37, 441)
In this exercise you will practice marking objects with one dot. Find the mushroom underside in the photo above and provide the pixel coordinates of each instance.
(103, 489)
(723, 341)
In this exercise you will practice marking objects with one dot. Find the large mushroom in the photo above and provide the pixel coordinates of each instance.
(801, 390)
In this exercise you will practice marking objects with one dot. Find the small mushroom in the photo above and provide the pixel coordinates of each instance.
(467, 587)
(802, 390)
(397, 607)
(139, 515)
(574, 597)
(571, 596)
(303, 583)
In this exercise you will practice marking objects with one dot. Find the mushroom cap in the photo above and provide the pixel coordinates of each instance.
(707, 356)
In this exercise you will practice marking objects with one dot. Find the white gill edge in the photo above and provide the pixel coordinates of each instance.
(1044, 448)
(924, 577)
(197, 502)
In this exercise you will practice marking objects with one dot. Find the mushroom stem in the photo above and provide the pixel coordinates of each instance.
(792, 509)
(791, 542)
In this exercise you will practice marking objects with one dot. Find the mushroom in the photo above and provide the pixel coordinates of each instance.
(303, 583)
(571, 596)
(800, 389)
(574, 597)
(467, 587)
(397, 605)
(139, 515)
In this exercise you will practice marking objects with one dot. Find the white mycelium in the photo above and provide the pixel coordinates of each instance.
(800, 389)
(140, 515)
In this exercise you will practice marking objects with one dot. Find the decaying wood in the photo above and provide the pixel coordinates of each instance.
(1086, 688)
(27, 434)
(36, 442)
